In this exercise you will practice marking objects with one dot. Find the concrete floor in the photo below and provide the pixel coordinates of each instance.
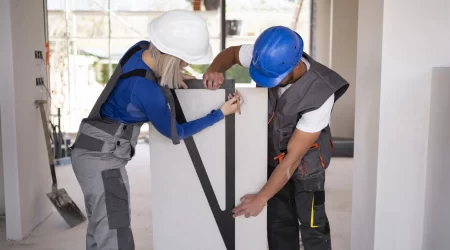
(54, 234)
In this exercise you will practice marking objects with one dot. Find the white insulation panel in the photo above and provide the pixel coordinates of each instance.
(182, 217)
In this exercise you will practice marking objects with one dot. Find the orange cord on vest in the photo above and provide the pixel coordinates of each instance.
(280, 157)
(271, 118)
(316, 145)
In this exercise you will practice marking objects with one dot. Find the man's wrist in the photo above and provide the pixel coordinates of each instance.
(263, 198)
(214, 68)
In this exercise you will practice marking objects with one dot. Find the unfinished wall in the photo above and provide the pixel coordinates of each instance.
(437, 199)
(25, 160)
(344, 32)
(322, 31)
(367, 117)
(396, 79)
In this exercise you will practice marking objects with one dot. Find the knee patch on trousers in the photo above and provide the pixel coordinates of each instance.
(318, 215)
(116, 199)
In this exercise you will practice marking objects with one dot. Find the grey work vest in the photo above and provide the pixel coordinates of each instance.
(107, 136)
(306, 94)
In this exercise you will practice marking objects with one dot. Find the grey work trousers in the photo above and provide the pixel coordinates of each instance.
(104, 182)
(300, 200)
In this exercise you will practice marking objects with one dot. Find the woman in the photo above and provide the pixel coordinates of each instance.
(138, 92)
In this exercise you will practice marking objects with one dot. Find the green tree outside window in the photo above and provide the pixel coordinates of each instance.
(237, 72)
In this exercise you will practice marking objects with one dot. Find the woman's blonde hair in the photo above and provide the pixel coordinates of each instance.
(168, 67)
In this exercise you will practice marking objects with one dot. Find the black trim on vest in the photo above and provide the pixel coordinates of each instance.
(224, 219)
(136, 72)
(130, 53)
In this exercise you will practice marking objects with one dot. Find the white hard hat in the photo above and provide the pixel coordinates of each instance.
(182, 34)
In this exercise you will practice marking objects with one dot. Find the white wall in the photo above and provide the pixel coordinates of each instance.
(24, 152)
(415, 39)
(344, 30)
(366, 124)
(437, 202)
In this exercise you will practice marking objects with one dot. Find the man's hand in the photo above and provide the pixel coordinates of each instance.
(251, 205)
(298, 145)
(212, 80)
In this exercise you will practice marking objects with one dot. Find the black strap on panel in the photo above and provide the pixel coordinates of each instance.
(224, 219)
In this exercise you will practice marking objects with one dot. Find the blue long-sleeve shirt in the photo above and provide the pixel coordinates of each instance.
(138, 100)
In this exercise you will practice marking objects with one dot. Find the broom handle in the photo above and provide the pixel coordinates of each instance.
(47, 142)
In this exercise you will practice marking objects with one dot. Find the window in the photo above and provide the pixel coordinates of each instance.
(87, 40)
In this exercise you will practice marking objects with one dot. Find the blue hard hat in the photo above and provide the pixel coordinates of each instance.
(276, 53)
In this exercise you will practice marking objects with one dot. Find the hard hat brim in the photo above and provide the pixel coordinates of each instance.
(264, 81)
(205, 59)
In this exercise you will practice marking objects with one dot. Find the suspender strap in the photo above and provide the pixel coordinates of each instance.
(130, 53)
(148, 74)
(224, 219)
(95, 112)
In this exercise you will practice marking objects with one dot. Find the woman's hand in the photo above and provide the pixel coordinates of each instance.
(231, 106)
(185, 77)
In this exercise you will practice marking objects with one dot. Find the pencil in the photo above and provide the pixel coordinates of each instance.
(239, 103)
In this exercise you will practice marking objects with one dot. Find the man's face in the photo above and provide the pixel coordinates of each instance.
(287, 80)
(293, 76)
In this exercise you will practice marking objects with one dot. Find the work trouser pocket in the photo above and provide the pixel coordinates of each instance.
(318, 215)
(310, 202)
(310, 183)
(116, 199)
(123, 149)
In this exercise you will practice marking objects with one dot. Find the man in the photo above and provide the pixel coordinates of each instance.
(302, 93)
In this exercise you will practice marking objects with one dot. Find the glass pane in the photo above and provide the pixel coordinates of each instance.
(120, 46)
(123, 26)
(88, 72)
(92, 26)
(98, 51)
(88, 5)
(56, 4)
(150, 5)
(57, 25)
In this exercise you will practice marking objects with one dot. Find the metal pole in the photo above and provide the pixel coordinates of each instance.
(68, 58)
(57, 139)
(223, 24)
(75, 55)
(312, 29)
(109, 39)
(47, 47)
